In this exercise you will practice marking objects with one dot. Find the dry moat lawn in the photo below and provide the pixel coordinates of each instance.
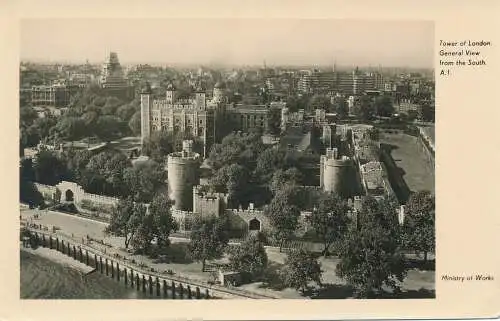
(411, 161)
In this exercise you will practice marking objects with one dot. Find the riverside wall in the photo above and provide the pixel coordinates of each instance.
(133, 275)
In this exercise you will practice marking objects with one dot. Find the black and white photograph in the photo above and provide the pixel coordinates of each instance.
(245, 158)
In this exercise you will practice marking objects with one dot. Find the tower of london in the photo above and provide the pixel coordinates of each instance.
(197, 115)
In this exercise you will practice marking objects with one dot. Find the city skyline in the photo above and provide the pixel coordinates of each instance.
(231, 41)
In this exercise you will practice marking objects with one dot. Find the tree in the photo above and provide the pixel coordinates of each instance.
(125, 112)
(110, 166)
(76, 161)
(384, 106)
(231, 179)
(282, 178)
(42, 126)
(283, 215)
(49, 169)
(157, 224)
(163, 221)
(419, 224)
(126, 219)
(27, 115)
(108, 127)
(159, 145)
(365, 108)
(249, 258)
(135, 123)
(28, 192)
(341, 107)
(71, 128)
(208, 239)
(427, 113)
(274, 122)
(242, 149)
(329, 220)
(301, 267)
(268, 162)
(144, 180)
(111, 105)
(370, 255)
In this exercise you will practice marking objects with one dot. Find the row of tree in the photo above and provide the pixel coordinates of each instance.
(91, 113)
(107, 173)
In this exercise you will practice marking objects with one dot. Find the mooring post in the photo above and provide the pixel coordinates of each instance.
(107, 272)
(131, 278)
(57, 244)
(181, 291)
(150, 285)
(87, 257)
(125, 275)
(137, 281)
(173, 290)
(207, 296)
(164, 288)
(62, 246)
(198, 294)
(50, 242)
(157, 286)
(101, 265)
(81, 254)
(95, 261)
(117, 271)
(143, 284)
(112, 271)
(74, 252)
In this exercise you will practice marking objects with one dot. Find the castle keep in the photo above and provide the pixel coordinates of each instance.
(196, 116)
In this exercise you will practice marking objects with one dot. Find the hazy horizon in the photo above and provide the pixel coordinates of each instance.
(231, 41)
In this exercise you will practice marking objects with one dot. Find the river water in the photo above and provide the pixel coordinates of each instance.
(42, 278)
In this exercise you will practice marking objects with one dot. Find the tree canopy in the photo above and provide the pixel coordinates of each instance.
(370, 255)
(249, 258)
(208, 239)
(329, 220)
(419, 223)
(301, 267)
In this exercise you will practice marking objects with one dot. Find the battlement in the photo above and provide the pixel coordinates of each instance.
(188, 104)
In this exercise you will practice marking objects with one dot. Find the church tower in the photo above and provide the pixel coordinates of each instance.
(170, 94)
(145, 113)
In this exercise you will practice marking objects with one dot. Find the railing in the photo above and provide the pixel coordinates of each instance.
(139, 267)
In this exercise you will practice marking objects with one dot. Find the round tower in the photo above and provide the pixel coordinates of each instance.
(333, 170)
(182, 169)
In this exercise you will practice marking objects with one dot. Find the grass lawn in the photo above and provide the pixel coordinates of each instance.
(411, 163)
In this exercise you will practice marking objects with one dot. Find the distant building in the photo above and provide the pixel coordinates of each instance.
(56, 95)
(353, 83)
(112, 78)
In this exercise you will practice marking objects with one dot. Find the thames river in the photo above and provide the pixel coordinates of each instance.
(42, 278)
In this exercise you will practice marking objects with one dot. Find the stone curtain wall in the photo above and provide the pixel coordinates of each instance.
(47, 191)
(79, 195)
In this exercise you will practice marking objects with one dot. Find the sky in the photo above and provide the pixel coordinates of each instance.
(231, 41)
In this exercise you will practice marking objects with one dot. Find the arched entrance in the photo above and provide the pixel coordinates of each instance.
(69, 196)
(254, 225)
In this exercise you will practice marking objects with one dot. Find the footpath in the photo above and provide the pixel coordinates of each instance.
(142, 268)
